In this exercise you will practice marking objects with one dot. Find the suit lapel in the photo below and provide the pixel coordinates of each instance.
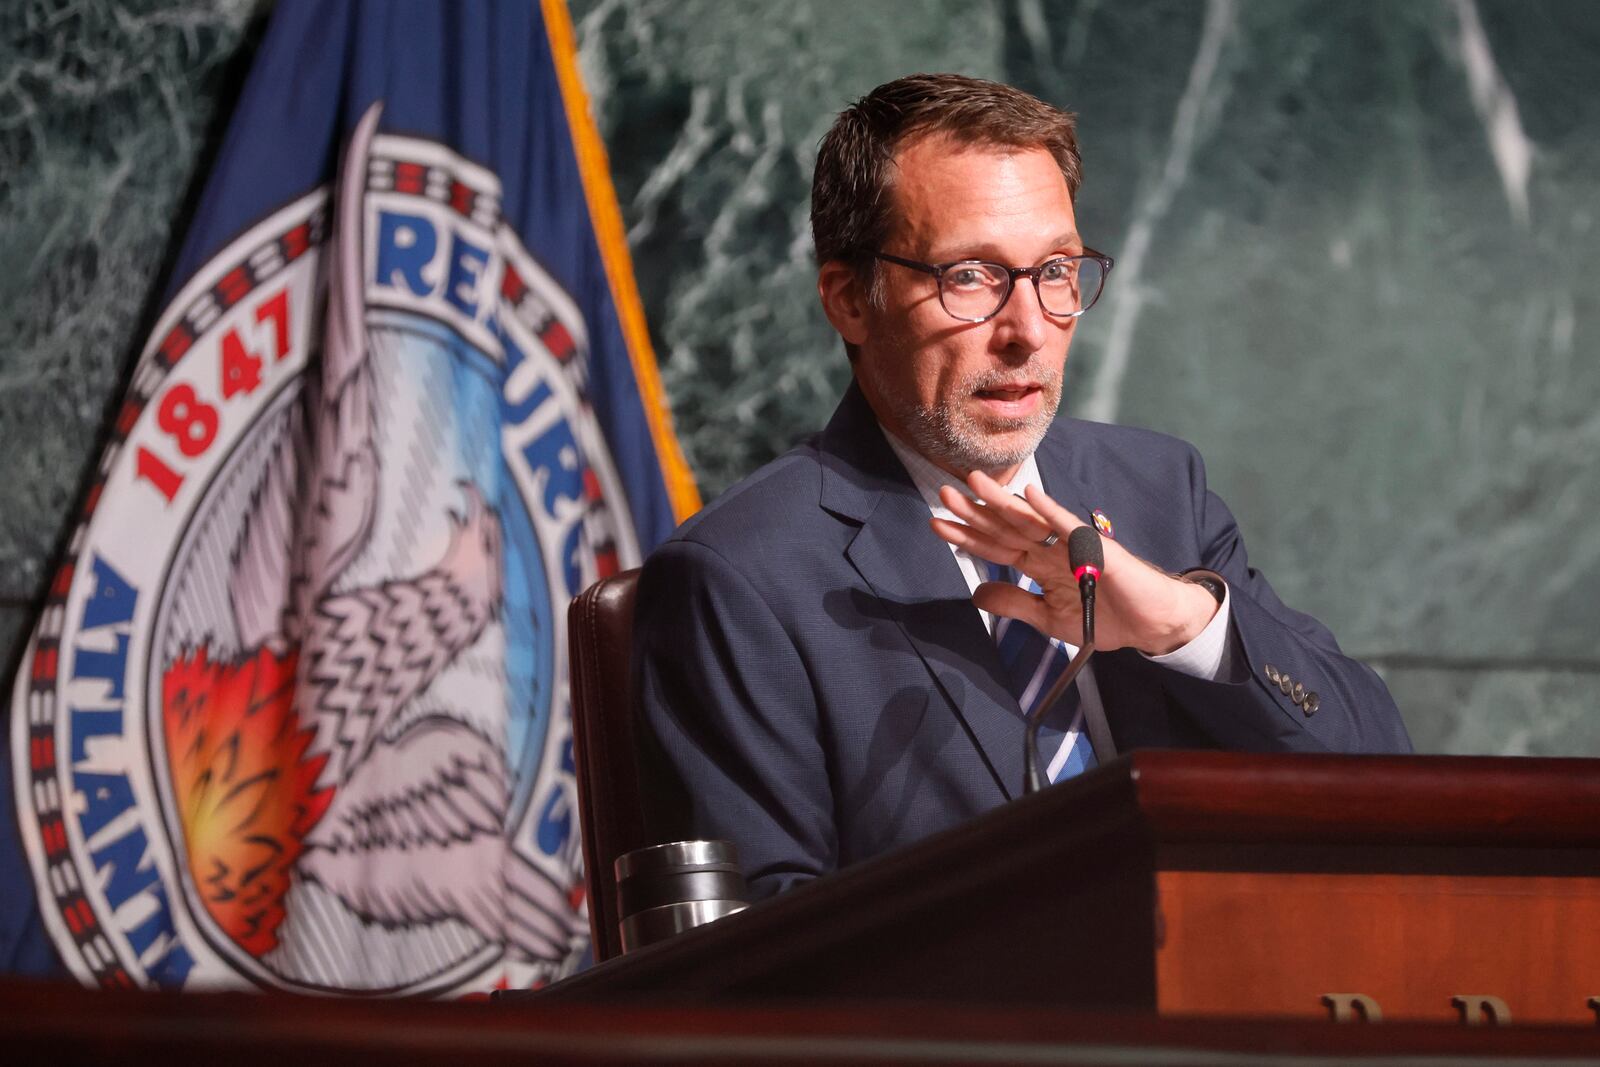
(914, 575)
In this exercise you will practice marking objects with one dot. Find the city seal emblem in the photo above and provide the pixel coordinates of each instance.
(295, 714)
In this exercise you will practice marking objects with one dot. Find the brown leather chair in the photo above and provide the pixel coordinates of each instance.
(605, 745)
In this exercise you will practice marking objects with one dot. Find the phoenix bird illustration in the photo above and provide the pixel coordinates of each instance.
(403, 818)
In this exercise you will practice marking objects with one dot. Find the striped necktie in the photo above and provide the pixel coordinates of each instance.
(1033, 662)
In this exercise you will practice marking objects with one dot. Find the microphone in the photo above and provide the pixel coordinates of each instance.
(1087, 556)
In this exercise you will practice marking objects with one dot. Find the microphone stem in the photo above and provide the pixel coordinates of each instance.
(1086, 589)
(1033, 777)
(1033, 780)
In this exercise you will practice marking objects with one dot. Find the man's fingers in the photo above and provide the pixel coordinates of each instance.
(1000, 526)
(987, 519)
(976, 542)
(1035, 516)
(1059, 518)
(1014, 602)
(1008, 508)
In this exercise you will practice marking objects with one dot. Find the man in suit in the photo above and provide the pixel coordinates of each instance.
(821, 654)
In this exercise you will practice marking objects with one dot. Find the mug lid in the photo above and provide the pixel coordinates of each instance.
(675, 854)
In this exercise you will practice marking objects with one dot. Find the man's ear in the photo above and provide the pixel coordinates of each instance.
(843, 300)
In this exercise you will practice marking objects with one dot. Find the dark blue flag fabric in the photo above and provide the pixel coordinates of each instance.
(295, 714)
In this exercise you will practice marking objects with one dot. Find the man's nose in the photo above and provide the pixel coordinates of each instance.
(1022, 324)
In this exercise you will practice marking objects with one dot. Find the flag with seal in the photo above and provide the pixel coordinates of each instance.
(295, 712)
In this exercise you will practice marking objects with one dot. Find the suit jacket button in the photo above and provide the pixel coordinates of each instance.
(1311, 704)
(1299, 693)
(1271, 673)
(1285, 684)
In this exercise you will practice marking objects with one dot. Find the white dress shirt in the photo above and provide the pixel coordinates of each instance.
(1207, 656)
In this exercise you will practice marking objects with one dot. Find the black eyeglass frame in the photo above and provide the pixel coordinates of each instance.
(1012, 274)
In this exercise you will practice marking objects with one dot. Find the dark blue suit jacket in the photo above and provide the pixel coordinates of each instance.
(809, 659)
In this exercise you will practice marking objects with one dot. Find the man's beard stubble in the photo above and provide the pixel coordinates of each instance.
(950, 435)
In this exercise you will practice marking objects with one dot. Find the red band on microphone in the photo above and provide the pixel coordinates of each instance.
(1089, 569)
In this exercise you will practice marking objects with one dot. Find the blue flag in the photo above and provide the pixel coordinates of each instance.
(295, 713)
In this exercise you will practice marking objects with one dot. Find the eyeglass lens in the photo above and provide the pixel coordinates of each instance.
(978, 290)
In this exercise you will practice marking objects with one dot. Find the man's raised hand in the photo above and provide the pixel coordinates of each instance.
(1138, 606)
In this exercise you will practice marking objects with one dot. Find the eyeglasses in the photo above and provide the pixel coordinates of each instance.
(974, 290)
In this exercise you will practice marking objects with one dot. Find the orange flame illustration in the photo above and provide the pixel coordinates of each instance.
(246, 793)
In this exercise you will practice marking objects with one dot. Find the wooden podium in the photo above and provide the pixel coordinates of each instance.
(1199, 884)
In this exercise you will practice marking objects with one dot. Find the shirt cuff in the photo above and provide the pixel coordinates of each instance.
(1210, 655)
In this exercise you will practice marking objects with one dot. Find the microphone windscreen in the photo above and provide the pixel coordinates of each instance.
(1084, 549)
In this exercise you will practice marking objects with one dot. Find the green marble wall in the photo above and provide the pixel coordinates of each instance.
(1356, 250)
(106, 110)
